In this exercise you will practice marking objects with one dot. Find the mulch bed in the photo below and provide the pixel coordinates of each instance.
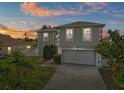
(106, 74)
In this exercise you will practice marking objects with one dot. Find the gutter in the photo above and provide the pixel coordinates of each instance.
(77, 49)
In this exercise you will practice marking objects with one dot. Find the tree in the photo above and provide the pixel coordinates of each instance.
(111, 48)
(46, 27)
(27, 39)
(25, 34)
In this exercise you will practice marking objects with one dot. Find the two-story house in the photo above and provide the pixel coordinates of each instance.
(76, 41)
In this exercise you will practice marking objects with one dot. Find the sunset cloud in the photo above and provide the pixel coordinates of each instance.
(13, 22)
(93, 7)
(114, 22)
(101, 7)
(23, 22)
(31, 16)
(96, 5)
(16, 33)
(104, 8)
(118, 15)
(34, 10)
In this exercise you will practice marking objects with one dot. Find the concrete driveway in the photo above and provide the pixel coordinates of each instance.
(76, 77)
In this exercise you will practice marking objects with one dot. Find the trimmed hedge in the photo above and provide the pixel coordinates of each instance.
(49, 51)
(57, 58)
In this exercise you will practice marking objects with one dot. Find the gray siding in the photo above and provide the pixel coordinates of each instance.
(78, 39)
(41, 43)
(77, 42)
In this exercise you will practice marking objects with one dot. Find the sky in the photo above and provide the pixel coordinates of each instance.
(30, 16)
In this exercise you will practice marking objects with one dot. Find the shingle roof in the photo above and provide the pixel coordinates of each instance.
(50, 30)
(81, 24)
(6, 40)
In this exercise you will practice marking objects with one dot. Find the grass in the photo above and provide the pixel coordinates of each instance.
(27, 76)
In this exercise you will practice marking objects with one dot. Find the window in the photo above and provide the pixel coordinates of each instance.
(9, 50)
(28, 47)
(45, 36)
(87, 34)
(57, 40)
(69, 34)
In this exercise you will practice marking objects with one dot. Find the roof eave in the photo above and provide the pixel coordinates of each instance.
(102, 25)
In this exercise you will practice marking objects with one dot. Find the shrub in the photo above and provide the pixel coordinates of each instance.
(3, 56)
(49, 51)
(111, 48)
(17, 56)
(119, 80)
(57, 58)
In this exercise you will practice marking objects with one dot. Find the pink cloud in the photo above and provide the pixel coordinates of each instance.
(23, 22)
(118, 15)
(114, 22)
(104, 8)
(96, 5)
(93, 7)
(34, 10)
(13, 22)
(112, 11)
(101, 7)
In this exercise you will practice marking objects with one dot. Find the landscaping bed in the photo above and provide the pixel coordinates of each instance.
(25, 75)
(107, 77)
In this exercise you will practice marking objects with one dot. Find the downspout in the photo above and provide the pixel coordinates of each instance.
(54, 39)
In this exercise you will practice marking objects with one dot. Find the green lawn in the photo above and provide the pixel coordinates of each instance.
(24, 75)
(112, 84)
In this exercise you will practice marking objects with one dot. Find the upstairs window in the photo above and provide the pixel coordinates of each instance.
(69, 34)
(45, 36)
(87, 34)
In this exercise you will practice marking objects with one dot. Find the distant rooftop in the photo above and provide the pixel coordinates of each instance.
(7, 40)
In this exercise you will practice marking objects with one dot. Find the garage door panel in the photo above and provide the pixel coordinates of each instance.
(78, 57)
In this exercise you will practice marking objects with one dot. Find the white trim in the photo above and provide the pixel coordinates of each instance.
(97, 59)
(76, 49)
(59, 50)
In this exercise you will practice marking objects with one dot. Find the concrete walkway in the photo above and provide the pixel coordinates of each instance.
(33, 52)
(76, 77)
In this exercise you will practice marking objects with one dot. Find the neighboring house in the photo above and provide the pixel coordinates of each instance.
(8, 44)
(75, 41)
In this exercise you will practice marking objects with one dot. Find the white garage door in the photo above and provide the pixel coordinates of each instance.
(79, 57)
